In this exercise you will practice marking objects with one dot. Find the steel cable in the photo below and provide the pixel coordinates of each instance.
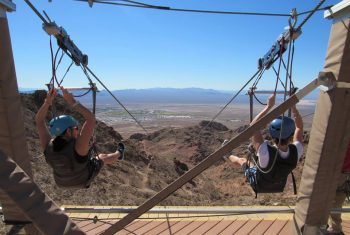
(229, 102)
(142, 5)
(114, 97)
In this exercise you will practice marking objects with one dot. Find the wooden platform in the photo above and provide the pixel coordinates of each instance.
(269, 223)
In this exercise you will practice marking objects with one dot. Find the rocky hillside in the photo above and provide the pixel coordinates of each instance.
(149, 166)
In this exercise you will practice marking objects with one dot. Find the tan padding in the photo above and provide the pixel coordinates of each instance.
(47, 217)
(328, 138)
(12, 138)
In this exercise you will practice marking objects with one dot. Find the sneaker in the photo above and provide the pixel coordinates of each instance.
(121, 150)
(225, 157)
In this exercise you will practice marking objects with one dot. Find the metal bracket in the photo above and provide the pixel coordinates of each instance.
(328, 82)
(8, 5)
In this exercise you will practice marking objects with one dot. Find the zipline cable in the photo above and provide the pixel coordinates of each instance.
(188, 10)
(273, 68)
(67, 70)
(237, 93)
(255, 83)
(291, 85)
(309, 15)
(319, 9)
(279, 64)
(259, 101)
(149, 6)
(114, 97)
(60, 60)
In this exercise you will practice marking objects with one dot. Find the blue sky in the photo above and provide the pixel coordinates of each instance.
(141, 48)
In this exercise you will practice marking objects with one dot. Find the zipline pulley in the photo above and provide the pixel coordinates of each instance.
(63, 39)
(280, 46)
(65, 43)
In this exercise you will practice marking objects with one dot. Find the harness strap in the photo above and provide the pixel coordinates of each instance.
(16, 222)
(294, 184)
(345, 188)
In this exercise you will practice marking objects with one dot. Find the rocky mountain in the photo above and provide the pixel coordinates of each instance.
(149, 166)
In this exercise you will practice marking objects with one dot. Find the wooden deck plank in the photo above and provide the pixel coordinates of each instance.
(247, 227)
(82, 223)
(345, 224)
(205, 227)
(176, 227)
(287, 229)
(346, 227)
(133, 226)
(193, 225)
(166, 226)
(148, 227)
(276, 227)
(260, 224)
(92, 226)
(232, 228)
(219, 227)
(101, 228)
(261, 227)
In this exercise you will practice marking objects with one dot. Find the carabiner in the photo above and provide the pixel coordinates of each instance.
(293, 18)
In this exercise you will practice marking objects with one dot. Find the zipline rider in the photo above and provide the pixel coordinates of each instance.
(67, 149)
(274, 162)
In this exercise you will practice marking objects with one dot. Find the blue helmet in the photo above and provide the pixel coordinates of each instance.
(61, 123)
(285, 123)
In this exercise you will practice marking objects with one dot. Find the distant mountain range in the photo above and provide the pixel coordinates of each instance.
(172, 96)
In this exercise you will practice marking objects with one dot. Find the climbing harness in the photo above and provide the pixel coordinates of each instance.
(251, 173)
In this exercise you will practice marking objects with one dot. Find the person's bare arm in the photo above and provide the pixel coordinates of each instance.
(43, 132)
(257, 138)
(298, 134)
(87, 130)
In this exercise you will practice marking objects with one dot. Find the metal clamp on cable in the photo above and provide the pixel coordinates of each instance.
(280, 46)
(65, 43)
(63, 39)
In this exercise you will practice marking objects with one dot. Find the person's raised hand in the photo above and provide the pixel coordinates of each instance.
(50, 96)
(271, 100)
(67, 96)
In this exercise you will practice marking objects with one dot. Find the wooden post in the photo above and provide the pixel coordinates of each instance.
(12, 136)
(45, 215)
(330, 133)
